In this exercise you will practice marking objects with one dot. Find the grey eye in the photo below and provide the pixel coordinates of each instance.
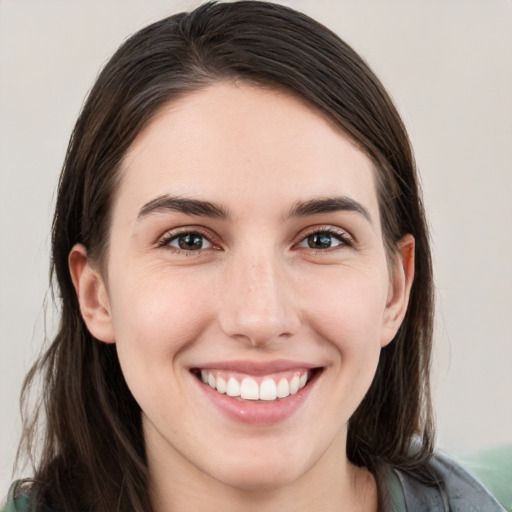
(190, 242)
(321, 240)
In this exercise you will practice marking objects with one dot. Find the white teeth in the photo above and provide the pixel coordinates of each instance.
(268, 390)
(294, 385)
(221, 385)
(249, 390)
(233, 387)
(283, 388)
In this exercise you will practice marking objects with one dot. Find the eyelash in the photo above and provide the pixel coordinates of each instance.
(342, 236)
(173, 235)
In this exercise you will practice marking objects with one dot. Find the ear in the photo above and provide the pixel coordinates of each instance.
(92, 295)
(400, 283)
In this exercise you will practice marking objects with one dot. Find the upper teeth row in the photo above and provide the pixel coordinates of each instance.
(249, 389)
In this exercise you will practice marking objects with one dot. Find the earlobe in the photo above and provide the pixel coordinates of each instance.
(401, 279)
(92, 295)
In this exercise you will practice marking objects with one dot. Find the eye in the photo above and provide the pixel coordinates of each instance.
(324, 239)
(188, 241)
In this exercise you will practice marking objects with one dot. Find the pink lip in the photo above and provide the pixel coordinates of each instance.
(258, 413)
(258, 368)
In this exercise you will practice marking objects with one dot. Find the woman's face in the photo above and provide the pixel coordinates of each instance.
(245, 250)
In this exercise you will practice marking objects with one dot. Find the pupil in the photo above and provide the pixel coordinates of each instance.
(190, 241)
(319, 241)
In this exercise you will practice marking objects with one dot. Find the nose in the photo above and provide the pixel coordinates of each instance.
(258, 305)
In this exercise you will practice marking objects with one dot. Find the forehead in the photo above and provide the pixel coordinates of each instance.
(228, 140)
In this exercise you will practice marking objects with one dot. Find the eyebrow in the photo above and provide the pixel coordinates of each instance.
(183, 205)
(202, 208)
(328, 205)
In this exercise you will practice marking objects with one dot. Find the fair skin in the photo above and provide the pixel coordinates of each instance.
(264, 280)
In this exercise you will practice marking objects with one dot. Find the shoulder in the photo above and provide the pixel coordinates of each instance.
(456, 490)
(17, 500)
(20, 499)
(464, 491)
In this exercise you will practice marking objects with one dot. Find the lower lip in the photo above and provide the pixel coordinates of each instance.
(258, 412)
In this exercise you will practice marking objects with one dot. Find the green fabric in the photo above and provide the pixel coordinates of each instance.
(494, 469)
(19, 503)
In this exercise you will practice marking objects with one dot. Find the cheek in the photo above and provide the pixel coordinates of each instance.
(155, 316)
(348, 310)
(346, 315)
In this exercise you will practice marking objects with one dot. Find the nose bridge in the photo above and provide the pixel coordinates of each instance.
(257, 300)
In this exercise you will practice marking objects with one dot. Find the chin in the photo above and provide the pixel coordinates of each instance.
(263, 467)
(260, 476)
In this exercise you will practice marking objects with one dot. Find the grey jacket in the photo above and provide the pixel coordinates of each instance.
(458, 491)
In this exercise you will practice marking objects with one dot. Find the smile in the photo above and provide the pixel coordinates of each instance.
(257, 394)
(267, 388)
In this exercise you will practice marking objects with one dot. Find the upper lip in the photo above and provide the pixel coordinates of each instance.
(256, 367)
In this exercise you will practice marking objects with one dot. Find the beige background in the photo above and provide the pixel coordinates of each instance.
(448, 66)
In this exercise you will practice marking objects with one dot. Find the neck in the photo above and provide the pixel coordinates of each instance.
(332, 483)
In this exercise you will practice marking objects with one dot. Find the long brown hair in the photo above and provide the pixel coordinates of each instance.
(92, 453)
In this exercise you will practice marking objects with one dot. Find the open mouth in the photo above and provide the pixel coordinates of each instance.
(266, 388)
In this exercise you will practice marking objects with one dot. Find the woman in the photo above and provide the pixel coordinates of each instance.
(243, 262)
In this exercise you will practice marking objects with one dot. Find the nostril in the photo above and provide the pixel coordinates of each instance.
(257, 307)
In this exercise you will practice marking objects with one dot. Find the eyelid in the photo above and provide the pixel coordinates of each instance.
(171, 234)
(342, 234)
